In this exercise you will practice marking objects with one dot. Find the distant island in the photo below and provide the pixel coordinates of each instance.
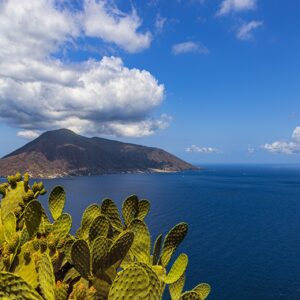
(62, 153)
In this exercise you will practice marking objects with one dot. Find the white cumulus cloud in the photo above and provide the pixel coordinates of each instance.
(197, 149)
(245, 31)
(28, 134)
(228, 6)
(189, 47)
(40, 91)
(104, 21)
(284, 147)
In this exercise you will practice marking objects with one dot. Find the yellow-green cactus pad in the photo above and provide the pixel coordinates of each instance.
(177, 269)
(157, 249)
(176, 288)
(118, 249)
(203, 290)
(3, 188)
(144, 208)
(57, 199)
(80, 254)
(99, 227)
(27, 269)
(172, 241)
(155, 285)
(191, 295)
(130, 209)
(12, 197)
(46, 277)
(109, 208)
(67, 249)
(15, 288)
(160, 271)
(71, 275)
(132, 283)
(88, 217)
(9, 226)
(33, 216)
(141, 243)
(100, 249)
(24, 236)
(61, 291)
(62, 226)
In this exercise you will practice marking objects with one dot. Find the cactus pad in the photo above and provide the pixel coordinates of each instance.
(119, 249)
(109, 208)
(203, 290)
(155, 286)
(130, 209)
(62, 226)
(99, 227)
(46, 277)
(26, 267)
(57, 199)
(132, 283)
(100, 249)
(177, 269)
(144, 207)
(176, 288)
(190, 296)
(61, 291)
(80, 254)
(9, 226)
(141, 244)
(88, 217)
(157, 249)
(33, 216)
(172, 241)
(14, 287)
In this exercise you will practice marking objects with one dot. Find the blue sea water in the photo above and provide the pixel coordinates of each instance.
(244, 223)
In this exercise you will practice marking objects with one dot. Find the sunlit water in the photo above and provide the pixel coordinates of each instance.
(244, 223)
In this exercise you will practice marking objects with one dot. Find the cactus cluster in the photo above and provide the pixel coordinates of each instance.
(109, 257)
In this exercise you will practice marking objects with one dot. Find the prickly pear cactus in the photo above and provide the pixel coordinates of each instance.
(80, 254)
(106, 259)
(130, 209)
(46, 277)
(176, 288)
(135, 282)
(142, 242)
(9, 226)
(172, 241)
(157, 249)
(33, 217)
(99, 227)
(14, 287)
(109, 209)
(57, 201)
(177, 269)
(203, 290)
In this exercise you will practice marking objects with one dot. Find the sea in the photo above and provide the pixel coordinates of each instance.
(244, 223)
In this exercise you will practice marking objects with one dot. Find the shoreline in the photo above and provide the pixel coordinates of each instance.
(148, 171)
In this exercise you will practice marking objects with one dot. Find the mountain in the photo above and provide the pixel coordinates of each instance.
(61, 152)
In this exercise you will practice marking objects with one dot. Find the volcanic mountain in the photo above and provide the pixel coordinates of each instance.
(61, 152)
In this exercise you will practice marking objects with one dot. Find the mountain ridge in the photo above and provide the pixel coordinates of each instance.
(61, 153)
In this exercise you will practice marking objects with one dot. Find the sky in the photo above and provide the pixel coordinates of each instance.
(212, 81)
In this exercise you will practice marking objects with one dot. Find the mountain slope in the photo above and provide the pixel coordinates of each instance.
(61, 153)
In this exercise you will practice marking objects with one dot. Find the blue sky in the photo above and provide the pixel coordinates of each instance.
(210, 80)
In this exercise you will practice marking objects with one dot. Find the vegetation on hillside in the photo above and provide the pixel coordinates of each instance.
(106, 259)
